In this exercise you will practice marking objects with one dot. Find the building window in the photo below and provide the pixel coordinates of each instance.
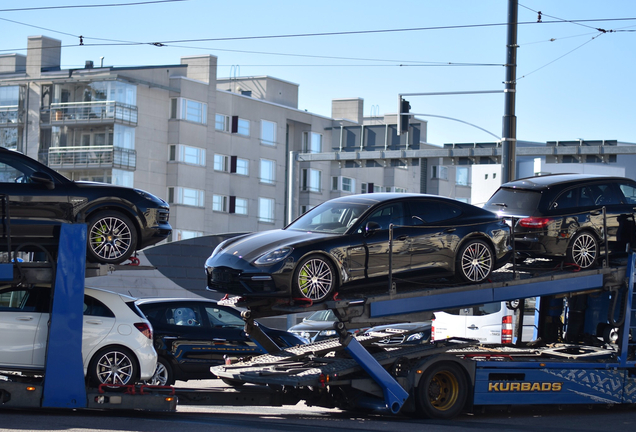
(187, 154)
(186, 196)
(267, 171)
(265, 210)
(240, 126)
(242, 166)
(222, 123)
(399, 190)
(240, 205)
(219, 203)
(180, 234)
(268, 132)
(190, 110)
(440, 172)
(346, 184)
(311, 180)
(461, 176)
(312, 142)
(221, 163)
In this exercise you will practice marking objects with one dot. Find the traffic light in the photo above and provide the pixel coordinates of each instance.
(403, 117)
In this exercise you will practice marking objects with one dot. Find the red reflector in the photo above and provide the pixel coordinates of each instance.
(534, 222)
(144, 329)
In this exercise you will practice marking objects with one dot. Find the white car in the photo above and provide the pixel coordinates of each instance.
(117, 343)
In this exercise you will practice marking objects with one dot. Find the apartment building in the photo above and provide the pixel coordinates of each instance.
(226, 153)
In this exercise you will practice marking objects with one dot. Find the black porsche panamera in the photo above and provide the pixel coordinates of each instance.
(344, 244)
(35, 200)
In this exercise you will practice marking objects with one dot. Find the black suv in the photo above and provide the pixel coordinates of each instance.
(35, 200)
(562, 215)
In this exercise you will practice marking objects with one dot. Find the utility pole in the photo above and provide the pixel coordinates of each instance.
(509, 133)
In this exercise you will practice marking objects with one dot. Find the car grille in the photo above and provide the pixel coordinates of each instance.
(225, 279)
(393, 340)
(163, 215)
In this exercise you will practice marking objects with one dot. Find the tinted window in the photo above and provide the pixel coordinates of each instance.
(514, 201)
(25, 300)
(478, 310)
(94, 307)
(629, 192)
(223, 318)
(430, 211)
(388, 214)
(181, 315)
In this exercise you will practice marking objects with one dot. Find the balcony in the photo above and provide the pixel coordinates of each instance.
(88, 113)
(73, 158)
(10, 116)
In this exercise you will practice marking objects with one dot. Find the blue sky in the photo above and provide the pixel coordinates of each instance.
(574, 81)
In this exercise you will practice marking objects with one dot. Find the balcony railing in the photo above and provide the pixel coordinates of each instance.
(92, 157)
(69, 113)
(10, 116)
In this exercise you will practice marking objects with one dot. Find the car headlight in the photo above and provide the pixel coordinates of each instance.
(273, 256)
(328, 333)
(414, 337)
(146, 195)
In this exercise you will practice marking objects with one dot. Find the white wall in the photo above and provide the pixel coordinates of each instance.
(484, 180)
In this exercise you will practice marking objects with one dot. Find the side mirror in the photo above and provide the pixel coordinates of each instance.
(43, 179)
(371, 227)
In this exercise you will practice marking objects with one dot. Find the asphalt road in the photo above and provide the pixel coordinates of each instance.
(303, 418)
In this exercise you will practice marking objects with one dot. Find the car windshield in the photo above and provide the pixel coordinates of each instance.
(323, 315)
(509, 201)
(330, 217)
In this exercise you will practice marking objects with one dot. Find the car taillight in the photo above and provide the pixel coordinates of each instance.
(432, 330)
(534, 222)
(506, 329)
(144, 329)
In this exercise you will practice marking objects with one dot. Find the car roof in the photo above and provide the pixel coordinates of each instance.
(155, 300)
(377, 197)
(547, 181)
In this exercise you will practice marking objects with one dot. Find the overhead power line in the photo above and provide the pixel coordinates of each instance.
(89, 6)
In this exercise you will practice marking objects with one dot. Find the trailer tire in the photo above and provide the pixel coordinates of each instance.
(232, 382)
(442, 391)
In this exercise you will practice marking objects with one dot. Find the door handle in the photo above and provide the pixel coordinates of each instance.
(472, 327)
(24, 318)
(450, 230)
(595, 213)
(402, 238)
(94, 322)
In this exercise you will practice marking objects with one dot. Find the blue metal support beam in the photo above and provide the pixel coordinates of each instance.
(394, 395)
(460, 298)
(64, 385)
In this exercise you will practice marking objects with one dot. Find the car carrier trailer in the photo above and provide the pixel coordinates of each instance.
(596, 364)
(436, 380)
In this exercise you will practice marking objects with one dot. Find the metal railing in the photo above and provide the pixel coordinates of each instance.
(91, 157)
(88, 112)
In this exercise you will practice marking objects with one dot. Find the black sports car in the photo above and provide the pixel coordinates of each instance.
(344, 244)
(120, 220)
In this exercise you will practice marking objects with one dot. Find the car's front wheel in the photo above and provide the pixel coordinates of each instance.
(112, 237)
(315, 278)
(113, 365)
(583, 250)
(475, 262)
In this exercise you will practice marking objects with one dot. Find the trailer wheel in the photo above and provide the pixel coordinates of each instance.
(163, 375)
(232, 382)
(315, 278)
(442, 391)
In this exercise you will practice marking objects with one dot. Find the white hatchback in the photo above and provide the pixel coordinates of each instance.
(117, 343)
